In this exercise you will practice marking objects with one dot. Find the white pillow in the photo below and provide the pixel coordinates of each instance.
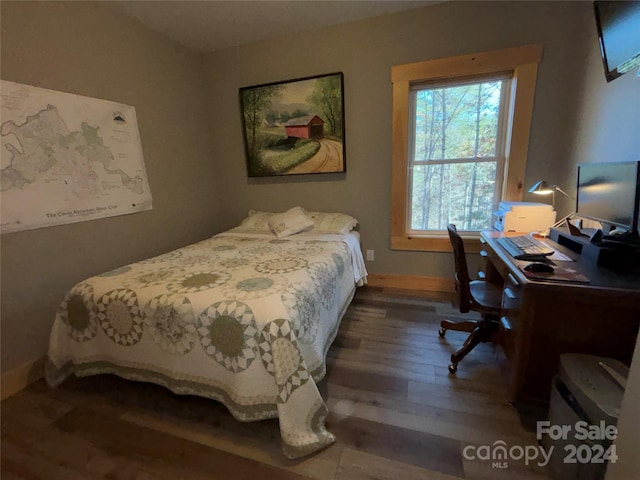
(258, 221)
(332, 222)
(292, 221)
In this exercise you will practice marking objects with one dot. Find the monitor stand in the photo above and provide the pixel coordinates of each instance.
(594, 234)
(597, 248)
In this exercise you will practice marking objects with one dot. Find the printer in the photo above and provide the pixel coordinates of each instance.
(523, 217)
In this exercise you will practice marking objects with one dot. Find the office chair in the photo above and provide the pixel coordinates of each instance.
(476, 295)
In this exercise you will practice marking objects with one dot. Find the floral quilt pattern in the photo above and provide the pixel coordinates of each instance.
(239, 318)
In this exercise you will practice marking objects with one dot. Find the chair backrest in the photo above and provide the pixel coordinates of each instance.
(462, 272)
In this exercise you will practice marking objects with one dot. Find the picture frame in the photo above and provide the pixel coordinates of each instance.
(294, 127)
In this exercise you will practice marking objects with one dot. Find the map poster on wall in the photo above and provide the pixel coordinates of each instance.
(67, 158)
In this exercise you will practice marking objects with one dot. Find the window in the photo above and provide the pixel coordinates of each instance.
(456, 154)
(460, 137)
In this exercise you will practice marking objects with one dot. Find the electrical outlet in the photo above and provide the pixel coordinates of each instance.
(370, 255)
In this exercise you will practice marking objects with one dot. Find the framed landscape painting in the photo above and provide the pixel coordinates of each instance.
(294, 127)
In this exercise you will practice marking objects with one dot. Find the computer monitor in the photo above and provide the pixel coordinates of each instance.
(609, 193)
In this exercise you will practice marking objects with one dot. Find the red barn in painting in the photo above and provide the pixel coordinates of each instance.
(311, 126)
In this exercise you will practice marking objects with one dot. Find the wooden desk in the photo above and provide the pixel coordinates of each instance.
(543, 319)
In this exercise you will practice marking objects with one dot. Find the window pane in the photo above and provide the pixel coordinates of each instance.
(457, 122)
(460, 193)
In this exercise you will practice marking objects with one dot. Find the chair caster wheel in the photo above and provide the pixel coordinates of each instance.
(453, 367)
(442, 331)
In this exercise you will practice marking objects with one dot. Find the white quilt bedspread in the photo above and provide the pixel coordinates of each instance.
(245, 319)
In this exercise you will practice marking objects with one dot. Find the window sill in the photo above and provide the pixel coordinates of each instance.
(433, 244)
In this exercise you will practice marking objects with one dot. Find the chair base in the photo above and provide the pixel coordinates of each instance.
(481, 332)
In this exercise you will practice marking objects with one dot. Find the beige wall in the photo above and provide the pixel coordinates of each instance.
(365, 52)
(88, 49)
(608, 117)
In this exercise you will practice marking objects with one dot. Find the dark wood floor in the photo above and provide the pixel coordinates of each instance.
(395, 410)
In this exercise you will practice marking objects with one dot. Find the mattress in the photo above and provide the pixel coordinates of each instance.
(244, 319)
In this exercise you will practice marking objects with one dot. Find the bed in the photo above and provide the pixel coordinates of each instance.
(245, 318)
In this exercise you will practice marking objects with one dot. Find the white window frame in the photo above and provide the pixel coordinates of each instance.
(500, 155)
(521, 64)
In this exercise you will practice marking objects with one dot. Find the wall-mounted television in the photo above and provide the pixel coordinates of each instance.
(610, 193)
(618, 25)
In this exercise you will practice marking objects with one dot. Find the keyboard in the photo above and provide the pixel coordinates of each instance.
(525, 247)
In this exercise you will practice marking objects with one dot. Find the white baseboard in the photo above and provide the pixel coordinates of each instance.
(19, 378)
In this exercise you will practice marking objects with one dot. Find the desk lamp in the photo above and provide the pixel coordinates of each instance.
(543, 188)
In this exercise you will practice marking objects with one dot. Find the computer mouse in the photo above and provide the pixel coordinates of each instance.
(539, 267)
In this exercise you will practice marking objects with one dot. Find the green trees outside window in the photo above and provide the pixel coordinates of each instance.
(456, 153)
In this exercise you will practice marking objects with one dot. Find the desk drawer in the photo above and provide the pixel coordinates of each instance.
(509, 318)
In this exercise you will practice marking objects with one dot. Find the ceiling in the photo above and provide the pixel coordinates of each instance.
(210, 25)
